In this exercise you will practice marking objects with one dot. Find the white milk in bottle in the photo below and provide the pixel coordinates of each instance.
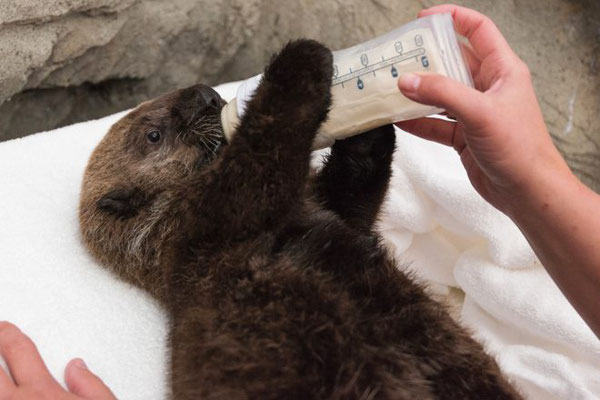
(364, 85)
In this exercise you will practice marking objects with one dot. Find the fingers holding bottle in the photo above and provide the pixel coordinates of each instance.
(483, 34)
(461, 101)
(500, 128)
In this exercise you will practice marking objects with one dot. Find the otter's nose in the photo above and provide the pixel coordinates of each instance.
(210, 96)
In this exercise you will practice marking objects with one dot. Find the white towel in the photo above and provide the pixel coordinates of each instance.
(71, 307)
(452, 238)
(49, 285)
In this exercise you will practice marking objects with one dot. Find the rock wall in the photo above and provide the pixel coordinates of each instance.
(63, 61)
(72, 60)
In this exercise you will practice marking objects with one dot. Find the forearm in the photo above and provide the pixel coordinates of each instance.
(560, 217)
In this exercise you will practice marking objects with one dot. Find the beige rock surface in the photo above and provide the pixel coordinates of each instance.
(79, 59)
(63, 61)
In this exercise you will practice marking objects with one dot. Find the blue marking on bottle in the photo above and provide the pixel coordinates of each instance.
(394, 72)
(360, 84)
(425, 61)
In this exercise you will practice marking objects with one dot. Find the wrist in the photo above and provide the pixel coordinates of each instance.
(548, 189)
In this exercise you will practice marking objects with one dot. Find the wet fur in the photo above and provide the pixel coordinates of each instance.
(275, 281)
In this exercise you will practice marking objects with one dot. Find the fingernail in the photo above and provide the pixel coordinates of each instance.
(409, 82)
(79, 363)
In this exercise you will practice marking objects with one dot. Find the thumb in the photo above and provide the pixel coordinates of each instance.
(82, 382)
(463, 102)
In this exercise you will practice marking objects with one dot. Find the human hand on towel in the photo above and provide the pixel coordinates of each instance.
(32, 380)
(510, 159)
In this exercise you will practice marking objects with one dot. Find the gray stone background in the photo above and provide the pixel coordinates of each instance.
(64, 61)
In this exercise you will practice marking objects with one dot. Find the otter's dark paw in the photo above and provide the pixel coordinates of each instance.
(377, 144)
(355, 177)
(302, 72)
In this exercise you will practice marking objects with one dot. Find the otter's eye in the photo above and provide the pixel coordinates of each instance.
(153, 137)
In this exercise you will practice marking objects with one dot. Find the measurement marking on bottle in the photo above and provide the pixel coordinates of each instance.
(419, 40)
(360, 84)
(364, 60)
(340, 80)
(398, 47)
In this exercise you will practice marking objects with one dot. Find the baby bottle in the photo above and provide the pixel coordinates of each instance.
(364, 87)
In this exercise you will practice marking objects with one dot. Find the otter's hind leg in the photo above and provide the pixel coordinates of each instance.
(355, 177)
(263, 171)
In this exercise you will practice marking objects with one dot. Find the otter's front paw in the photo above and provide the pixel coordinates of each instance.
(301, 73)
(377, 144)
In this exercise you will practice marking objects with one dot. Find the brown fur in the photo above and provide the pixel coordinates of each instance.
(277, 284)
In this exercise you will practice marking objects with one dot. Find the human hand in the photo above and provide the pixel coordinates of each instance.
(500, 135)
(31, 378)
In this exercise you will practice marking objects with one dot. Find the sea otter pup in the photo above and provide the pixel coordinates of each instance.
(276, 282)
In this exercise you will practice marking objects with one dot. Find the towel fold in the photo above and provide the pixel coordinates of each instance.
(458, 241)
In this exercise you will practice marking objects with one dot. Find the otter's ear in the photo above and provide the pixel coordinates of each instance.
(121, 202)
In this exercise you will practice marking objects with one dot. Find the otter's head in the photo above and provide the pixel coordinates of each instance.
(136, 179)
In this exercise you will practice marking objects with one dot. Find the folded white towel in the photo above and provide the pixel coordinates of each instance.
(49, 285)
(434, 220)
(458, 240)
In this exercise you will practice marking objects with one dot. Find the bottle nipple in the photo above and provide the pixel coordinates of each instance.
(229, 119)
